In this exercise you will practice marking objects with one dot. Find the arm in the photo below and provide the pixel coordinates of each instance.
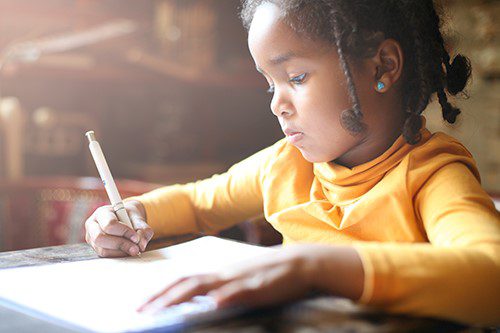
(212, 204)
(283, 275)
(337, 270)
(457, 275)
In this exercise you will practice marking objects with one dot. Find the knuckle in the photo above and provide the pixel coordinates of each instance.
(197, 286)
(180, 280)
(255, 283)
(99, 239)
(126, 246)
(129, 204)
(108, 226)
(200, 283)
(128, 233)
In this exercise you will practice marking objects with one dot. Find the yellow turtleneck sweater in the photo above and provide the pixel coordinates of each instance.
(427, 233)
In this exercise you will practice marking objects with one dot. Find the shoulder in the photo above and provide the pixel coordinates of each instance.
(440, 144)
(438, 154)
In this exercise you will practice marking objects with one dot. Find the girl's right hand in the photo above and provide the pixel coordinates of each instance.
(111, 238)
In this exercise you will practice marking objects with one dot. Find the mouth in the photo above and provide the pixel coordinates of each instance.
(289, 131)
(293, 136)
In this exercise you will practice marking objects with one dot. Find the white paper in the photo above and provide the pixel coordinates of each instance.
(103, 294)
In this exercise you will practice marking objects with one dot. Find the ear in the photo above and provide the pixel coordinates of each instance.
(388, 62)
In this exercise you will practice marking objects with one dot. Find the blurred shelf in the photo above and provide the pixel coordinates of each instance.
(127, 57)
(192, 75)
(137, 68)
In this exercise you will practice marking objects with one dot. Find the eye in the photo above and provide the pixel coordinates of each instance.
(270, 90)
(299, 79)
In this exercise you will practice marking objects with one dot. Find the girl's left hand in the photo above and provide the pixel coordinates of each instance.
(274, 278)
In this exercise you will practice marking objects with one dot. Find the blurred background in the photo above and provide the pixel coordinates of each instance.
(171, 91)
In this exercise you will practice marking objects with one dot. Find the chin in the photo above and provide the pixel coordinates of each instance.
(315, 158)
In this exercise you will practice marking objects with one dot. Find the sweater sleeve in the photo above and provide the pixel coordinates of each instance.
(209, 205)
(455, 276)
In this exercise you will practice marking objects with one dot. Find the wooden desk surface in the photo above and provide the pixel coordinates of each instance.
(322, 314)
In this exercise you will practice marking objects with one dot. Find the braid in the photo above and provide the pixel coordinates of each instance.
(419, 90)
(450, 112)
(456, 76)
(429, 72)
(350, 118)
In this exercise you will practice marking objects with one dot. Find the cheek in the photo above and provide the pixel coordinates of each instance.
(338, 96)
(324, 105)
(331, 93)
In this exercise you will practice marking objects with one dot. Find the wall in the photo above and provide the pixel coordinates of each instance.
(472, 28)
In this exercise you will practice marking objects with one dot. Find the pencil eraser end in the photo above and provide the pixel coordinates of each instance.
(90, 136)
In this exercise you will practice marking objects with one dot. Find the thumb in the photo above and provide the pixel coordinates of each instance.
(144, 231)
(137, 219)
(145, 236)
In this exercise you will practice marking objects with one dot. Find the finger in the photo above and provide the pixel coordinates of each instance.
(258, 291)
(87, 240)
(101, 241)
(163, 291)
(110, 225)
(117, 243)
(88, 225)
(237, 293)
(137, 218)
(144, 238)
(92, 230)
(186, 290)
(107, 253)
(144, 231)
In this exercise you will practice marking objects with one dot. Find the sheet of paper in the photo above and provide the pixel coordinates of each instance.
(102, 294)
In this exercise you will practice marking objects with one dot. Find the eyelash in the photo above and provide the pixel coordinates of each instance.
(299, 79)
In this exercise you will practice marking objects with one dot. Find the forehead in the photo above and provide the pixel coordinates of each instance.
(270, 38)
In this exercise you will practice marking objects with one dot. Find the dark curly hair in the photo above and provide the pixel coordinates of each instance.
(357, 27)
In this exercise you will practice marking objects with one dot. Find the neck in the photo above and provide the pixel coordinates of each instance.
(373, 144)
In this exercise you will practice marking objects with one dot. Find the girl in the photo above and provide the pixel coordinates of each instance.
(388, 214)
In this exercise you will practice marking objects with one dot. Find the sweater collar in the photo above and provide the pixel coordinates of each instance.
(340, 183)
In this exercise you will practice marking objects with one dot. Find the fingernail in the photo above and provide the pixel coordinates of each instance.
(134, 238)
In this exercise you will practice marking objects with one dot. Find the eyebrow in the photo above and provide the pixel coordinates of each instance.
(279, 59)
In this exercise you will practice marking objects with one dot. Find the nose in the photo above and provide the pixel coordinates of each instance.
(281, 106)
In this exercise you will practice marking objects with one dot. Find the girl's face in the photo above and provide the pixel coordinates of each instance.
(309, 87)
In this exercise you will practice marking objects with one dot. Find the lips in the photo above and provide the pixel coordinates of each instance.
(293, 135)
(290, 132)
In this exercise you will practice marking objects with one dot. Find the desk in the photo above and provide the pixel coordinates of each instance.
(322, 314)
